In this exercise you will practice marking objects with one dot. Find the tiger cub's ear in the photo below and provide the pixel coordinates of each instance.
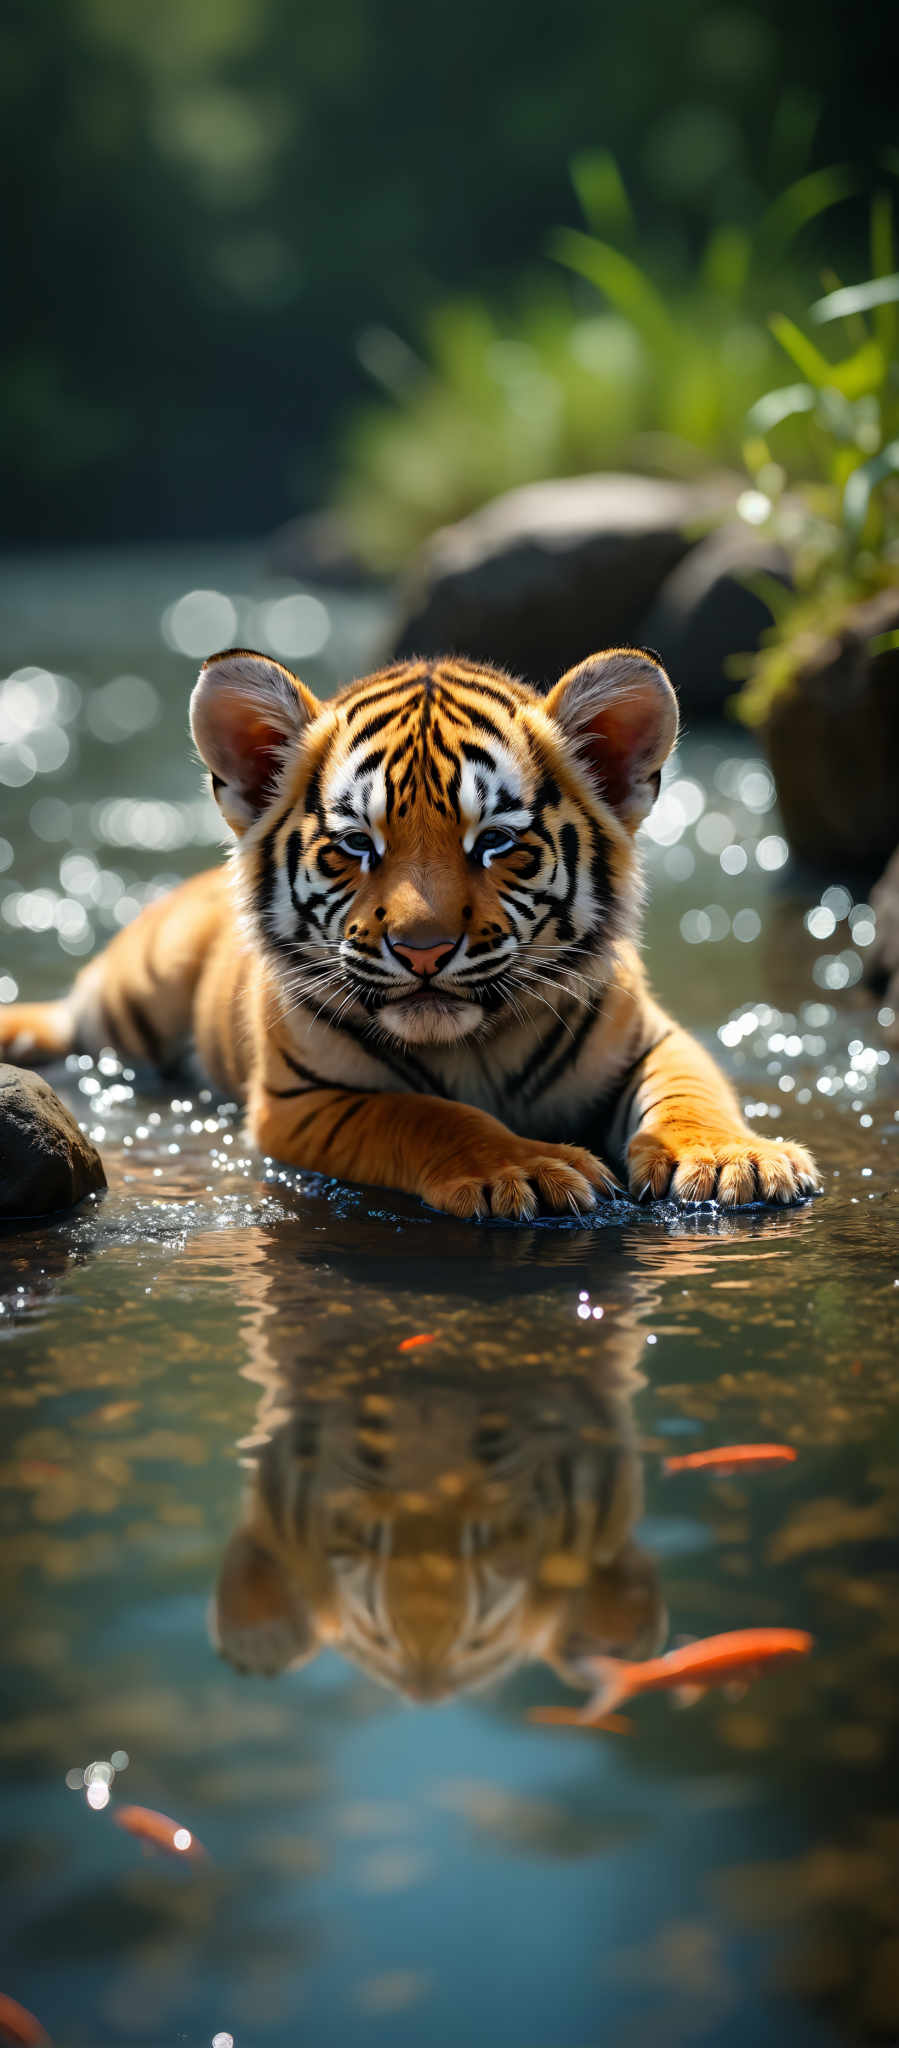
(246, 714)
(620, 711)
(255, 1619)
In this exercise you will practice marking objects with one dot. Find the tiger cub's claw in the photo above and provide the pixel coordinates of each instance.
(533, 1180)
(732, 1171)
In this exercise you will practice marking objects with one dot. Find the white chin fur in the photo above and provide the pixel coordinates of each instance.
(436, 1023)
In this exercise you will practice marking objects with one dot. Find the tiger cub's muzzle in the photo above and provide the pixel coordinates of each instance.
(424, 959)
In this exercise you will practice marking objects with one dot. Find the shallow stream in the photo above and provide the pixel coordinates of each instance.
(215, 1452)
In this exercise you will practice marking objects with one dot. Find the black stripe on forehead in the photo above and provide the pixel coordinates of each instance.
(394, 715)
(476, 688)
(428, 720)
(457, 682)
(490, 681)
(377, 688)
(478, 757)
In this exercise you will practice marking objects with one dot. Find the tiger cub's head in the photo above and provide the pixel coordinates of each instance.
(427, 845)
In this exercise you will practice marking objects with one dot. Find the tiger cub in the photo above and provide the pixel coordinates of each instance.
(420, 969)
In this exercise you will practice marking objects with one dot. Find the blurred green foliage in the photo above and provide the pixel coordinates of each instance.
(651, 365)
(832, 501)
(208, 202)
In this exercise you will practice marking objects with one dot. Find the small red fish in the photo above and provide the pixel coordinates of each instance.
(615, 1724)
(157, 1829)
(412, 1343)
(732, 1458)
(19, 2026)
(716, 1660)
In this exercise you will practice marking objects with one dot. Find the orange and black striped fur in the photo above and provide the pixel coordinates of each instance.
(420, 968)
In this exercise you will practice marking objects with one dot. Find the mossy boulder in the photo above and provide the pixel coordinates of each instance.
(833, 742)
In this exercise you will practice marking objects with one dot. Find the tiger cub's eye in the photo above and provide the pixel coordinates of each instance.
(493, 840)
(356, 843)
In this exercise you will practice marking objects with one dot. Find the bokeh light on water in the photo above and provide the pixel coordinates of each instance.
(394, 1858)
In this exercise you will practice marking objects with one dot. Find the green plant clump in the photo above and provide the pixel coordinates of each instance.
(639, 365)
(833, 503)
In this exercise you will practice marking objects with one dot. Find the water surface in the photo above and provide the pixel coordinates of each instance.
(310, 1584)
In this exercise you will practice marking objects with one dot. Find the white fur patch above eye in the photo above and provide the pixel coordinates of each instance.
(491, 796)
(345, 789)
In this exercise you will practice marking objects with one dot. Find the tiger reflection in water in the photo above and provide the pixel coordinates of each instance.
(441, 1527)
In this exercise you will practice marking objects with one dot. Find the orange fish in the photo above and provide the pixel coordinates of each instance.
(731, 1458)
(19, 2026)
(412, 1343)
(716, 1660)
(157, 1829)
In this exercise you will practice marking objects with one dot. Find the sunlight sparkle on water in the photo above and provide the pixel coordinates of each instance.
(734, 859)
(772, 852)
(119, 709)
(296, 627)
(199, 621)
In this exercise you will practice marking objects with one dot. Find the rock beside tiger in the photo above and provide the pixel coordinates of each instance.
(46, 1163)
(546, 573)
(882, 962)
(833, 741)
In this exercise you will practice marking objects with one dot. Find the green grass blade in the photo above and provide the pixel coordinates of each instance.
(861, 372)
(725, 263)
(601, 192)
(801, 351)
(883, 258)
(620, 280)
(802, 202)
(856, 298)
(864, 481)
(780, 405)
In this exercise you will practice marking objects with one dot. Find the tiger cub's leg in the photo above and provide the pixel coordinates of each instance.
(31, 1034)
(137, 996)
(455, 1158)
(680, 1129)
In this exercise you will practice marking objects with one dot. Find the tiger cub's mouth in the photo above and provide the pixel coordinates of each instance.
(429, 1016)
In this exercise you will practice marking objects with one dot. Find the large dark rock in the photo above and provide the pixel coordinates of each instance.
(882, 962)
(833, 743)
(544, 575)
(46, 1162)
(708, 609)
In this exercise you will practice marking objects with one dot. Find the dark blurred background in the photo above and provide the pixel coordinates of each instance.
(217, 209)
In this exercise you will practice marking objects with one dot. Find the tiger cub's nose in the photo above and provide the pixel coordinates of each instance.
(423, 959)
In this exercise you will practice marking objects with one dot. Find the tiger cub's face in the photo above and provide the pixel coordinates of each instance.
(439, 843)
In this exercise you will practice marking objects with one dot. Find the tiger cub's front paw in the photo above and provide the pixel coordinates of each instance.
(732, 1170)
(526, 1180)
